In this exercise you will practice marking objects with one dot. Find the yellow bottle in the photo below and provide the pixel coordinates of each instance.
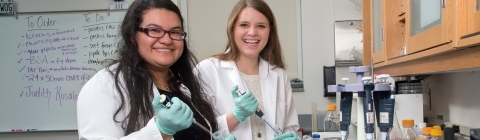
(436, 134)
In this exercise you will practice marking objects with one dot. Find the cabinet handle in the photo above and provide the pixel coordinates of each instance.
(443, 3)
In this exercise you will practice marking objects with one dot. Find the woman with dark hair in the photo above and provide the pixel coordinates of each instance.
(253, 65)
(122, 101)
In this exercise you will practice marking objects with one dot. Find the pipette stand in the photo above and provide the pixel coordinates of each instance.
(347, 91)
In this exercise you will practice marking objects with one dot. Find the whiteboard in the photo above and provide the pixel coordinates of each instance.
(45, 60)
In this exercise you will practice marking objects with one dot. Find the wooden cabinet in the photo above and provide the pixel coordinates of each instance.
(467, 22)
(409, 37)
(378, 54)
(395, 42)
(430, 24)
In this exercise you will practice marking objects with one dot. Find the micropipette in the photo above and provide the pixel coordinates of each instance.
(167, 104)
(259, 113)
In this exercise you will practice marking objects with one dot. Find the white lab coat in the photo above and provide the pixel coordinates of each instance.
(218, 77)
(97, 102)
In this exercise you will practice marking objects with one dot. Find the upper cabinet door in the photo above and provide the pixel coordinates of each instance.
(378, 54)
(468, 22)
(430, 24)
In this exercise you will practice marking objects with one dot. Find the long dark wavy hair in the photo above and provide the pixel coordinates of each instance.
(138, 82)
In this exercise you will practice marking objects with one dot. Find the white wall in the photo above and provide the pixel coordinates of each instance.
(207, 21)
(456, 97)
(318, 17)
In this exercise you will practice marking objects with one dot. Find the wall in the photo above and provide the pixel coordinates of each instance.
(455, 96)
(208, 28)
(318, 17)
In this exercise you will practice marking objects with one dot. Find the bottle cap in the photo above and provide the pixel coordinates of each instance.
(331, 107)
(426, 130)
(436, 132)
(408, 123)
(316, 136)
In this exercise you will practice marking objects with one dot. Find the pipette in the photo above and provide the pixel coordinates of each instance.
(167, 104)
(277, 130)
(260, 114)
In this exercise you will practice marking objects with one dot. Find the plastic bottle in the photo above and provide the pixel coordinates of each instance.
(436, 134)
(408, 132)
(419, 128)
(395, 134)
(316, 137)
(425, 134)
(331, 120)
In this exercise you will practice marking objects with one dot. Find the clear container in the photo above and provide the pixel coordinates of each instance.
(425, 134)
(436, 134)
(331, 120)
(395, 134)
(408, 132)
(419, 128)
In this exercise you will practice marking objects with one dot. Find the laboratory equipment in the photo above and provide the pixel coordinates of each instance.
(369, 115)
(395, 134)
(436, 134)
(408, 132)
(419, 128)
(331, 121)
(260, 114)
(384, 101)
(425, 133)
(166, 102)
(448, 133)
(277, 130)
(347, 91)
(475, 134)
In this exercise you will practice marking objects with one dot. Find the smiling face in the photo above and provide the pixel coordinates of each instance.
(251, 32)
(160, 53)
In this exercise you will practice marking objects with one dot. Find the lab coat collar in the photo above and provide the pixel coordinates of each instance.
(264, 67)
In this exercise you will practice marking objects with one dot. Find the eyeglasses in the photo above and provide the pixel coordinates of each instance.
(159, 33)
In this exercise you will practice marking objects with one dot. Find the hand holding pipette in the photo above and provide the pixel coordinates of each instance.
(245, 104)
(257, 110)
(165, 102)
(172, 118)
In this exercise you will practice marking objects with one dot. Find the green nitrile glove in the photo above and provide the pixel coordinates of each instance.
(286, 136)
(230, 137)
(245, 105)
(171, 120)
